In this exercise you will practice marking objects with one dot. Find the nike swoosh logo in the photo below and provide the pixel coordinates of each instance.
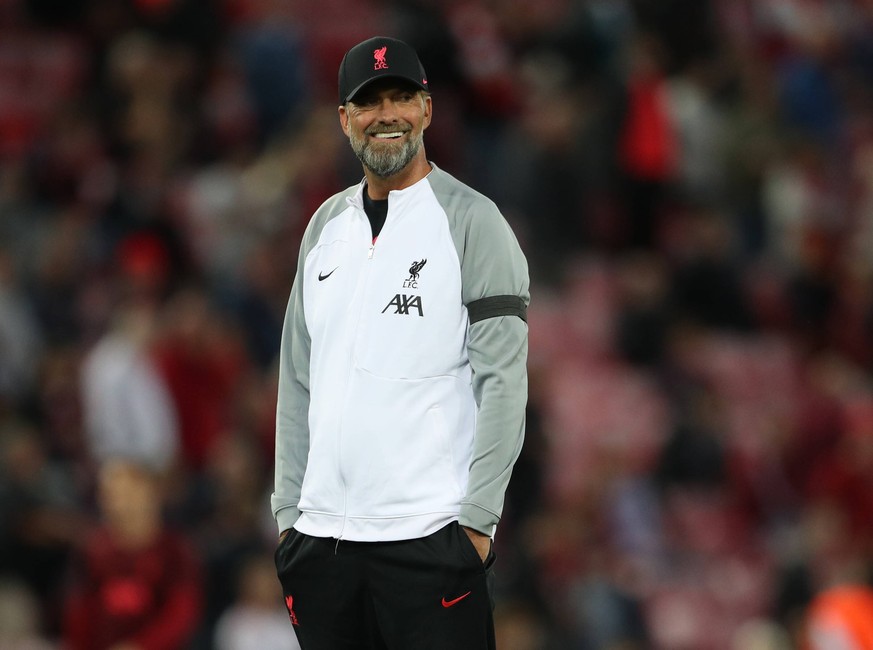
(455, 601)
(325, 276)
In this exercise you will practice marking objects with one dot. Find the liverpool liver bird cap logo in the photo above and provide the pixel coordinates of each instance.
(377, 58)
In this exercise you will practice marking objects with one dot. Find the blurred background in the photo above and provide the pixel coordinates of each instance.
(692, 182)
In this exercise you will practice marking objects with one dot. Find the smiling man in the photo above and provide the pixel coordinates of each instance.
(402, 386)
(386, 149)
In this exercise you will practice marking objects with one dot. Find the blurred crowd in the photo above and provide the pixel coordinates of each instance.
(692, 182)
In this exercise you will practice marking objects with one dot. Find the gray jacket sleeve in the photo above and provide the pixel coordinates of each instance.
(496, 290)
(292, 413)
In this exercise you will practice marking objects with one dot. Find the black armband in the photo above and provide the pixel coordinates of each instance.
(493, 306)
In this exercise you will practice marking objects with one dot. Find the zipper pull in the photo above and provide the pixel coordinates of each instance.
(370, 252)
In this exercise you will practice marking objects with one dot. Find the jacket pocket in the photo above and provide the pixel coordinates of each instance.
(405, 446)
(441, 433)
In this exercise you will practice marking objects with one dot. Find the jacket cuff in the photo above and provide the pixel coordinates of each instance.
(287, 517)
(472, 516)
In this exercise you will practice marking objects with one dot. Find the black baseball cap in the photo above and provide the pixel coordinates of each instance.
(377, 58)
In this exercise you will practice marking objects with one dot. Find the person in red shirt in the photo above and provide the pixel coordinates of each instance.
(135, 585)
(841, 617)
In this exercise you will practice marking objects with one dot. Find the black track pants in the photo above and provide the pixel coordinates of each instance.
(431, 593)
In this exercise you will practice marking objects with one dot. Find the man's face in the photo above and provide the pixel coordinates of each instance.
(385, 124)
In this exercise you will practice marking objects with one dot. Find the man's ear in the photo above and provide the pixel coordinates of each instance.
(428, 111)
(344, 119)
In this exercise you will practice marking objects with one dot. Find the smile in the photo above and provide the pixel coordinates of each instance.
(392, 135)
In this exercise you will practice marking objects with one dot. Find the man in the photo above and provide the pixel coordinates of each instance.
(135, 584)
(402, 386)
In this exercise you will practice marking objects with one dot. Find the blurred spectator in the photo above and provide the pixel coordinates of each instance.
(542, 169)
(841, 617)
(753, 138)
(256, 620)
(686, 28)
(525, 492)
(760, 634)
(144, 268)
(135, 583)
(70, 164)
(694, 455)
(793, 591)
(21, 619)
(40, 518)
(202, 360)
(20, 337)
(644, 314)
(809, 101)
(846, 475)
(127, 407)
(648, 149)
(224, 511)
(827, 380)
(274, 65)
(58, 277)
(193, 23)
(518, 626)
(606, 615)
(698, 115)
(707, 282)
(258, 307)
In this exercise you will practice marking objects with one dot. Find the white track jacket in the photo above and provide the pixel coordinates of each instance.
(402, 378)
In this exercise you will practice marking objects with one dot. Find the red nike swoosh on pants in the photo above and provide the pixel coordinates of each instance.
(455, 601)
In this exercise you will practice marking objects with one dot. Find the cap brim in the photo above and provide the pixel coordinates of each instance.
(366, 83)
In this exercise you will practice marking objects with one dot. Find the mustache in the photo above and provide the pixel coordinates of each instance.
(387, 129)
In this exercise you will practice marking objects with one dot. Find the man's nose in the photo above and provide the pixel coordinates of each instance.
(387, 110)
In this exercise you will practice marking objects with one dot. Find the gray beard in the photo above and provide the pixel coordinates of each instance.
(390, 160)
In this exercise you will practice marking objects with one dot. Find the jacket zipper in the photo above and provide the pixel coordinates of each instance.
(370, 252)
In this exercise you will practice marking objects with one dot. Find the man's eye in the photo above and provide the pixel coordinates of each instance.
(364, 100)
